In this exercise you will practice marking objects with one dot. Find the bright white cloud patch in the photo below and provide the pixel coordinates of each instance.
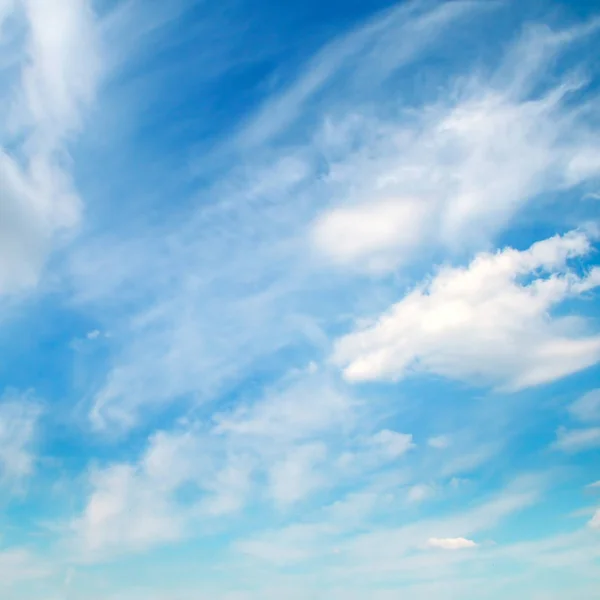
(456, 173)
(458, 543)
(53, 80)
(594, 522)
(375, 231)
(489, 322)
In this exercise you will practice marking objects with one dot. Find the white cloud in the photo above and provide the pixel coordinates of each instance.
(57, 78)
(392, 443)
(419, 493)
(18, 565)
(191, 334)
(229, 488)
(458, 543)
(377, 231)
(439, 442)
(453, 175)
(281, 449)
(587, 408)
(298, 409)
(125, 512)
(19, 417)
(577, 440)
(252, 292)
(297, 474)
(133, 506)
(391, 40)
(381, 547)
(594, 522)
(488, 322)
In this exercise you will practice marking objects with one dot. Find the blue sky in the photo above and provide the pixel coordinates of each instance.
(299, 300)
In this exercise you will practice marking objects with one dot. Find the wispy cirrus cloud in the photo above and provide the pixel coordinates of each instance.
(46, 89)
(587, 408)
(426, 180)
(577, 440)
(392, 179)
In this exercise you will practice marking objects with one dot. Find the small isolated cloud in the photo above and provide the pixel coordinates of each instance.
(489, 322)
(376, 231)
(439, 442)
(459, 543)
(577, 440)
(92, 335)
(594, 522)
(419, 493)
(587, 408)
(392, 444)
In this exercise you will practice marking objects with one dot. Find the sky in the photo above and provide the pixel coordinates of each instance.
(299, 300)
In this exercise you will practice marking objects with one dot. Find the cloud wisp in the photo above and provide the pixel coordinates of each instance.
(47, 89)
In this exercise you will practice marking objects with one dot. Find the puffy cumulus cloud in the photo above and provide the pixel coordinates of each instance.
(587, 408)
(458, 543)
(489, 322)
(19, 417)
(454, 174)
(371, 232)
(53, 78)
